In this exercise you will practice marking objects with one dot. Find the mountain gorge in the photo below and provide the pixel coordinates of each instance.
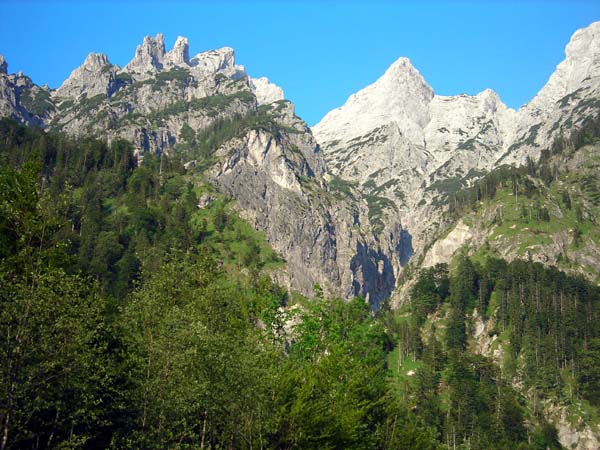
(414, 271)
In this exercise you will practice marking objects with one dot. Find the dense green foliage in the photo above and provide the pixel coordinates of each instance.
(38, 103)
(546, 324)
(132, 318)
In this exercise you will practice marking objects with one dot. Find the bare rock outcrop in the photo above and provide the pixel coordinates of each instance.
(96, 76)
(3, 65)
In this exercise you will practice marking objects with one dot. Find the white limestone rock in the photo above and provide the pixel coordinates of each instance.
(217, 61)
(580, 69)
(396, 138)
(400, 141)
(149, 57)
(153, 81)
(265, 91)
(23, 100)
(456, 119)
(277, 181)
(180, 54)
(404, 103)
(400, 96)
(94, 77)
(443, 249)
(398, 118)
(570, 95)
(582, 436)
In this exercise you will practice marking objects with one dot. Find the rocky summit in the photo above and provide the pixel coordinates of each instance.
(100, 98)
(397, 140)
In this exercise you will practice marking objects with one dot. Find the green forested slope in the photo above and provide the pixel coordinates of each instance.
(478, 331)
(546, 211)
(132, 318)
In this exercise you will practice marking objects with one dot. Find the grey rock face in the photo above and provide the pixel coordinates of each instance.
(569, 100)
(217, 61)
(274, 171)
(348, 213)
(278, 183)
(148, 57)
(180, 55)
(150, 100)
(152, 115)
(395, 138)
(3, 65)
(153, 96)
(265, 91)
(96, 76)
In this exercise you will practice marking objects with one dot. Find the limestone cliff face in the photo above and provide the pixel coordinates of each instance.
(277, 180)
(156, 94)
(444, 249)
(265, 91)
(3, 65)
(96, 76)
(396, 139)
(569, 100)
(153, 96)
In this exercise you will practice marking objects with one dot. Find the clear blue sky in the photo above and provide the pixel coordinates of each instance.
(320, 52)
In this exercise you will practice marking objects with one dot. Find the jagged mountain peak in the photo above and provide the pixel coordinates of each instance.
(486, 101)
(95, 61)
(584, 42)
(3, 65)
(397, 139)
(157, 41)
(579, 69)
(402, 64)
(489, 102)
(400, 68)
(151, 58)
(149, 55)
(401, 77)
(218, 60)
(564, 103)
(400, 96)
(489, 95)
(180, 54)
(95, 76)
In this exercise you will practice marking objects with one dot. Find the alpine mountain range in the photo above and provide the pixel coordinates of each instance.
(349, 202)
